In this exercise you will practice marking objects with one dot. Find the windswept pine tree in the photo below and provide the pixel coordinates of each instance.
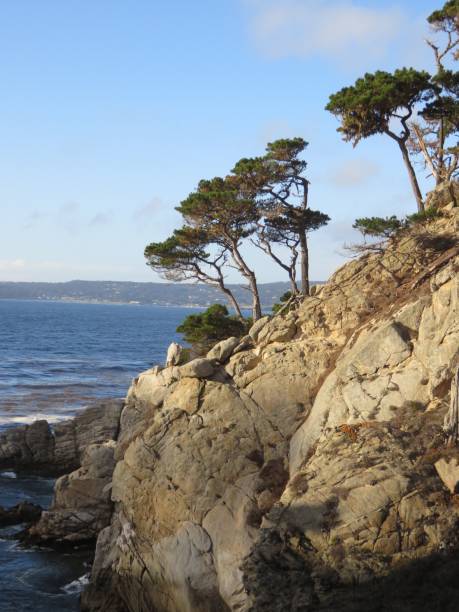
(383, 103)
(185, 256)
(277, 182)
(419, 111)
(227, 218)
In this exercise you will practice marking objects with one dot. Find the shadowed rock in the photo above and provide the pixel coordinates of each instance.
(58, 449)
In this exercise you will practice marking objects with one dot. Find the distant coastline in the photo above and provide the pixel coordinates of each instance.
(131, 293)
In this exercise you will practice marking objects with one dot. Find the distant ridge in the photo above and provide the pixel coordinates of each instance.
(161, 294)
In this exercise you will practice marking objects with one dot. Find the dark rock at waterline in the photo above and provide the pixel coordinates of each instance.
(57, 450)
(24, 512)
(82, 504)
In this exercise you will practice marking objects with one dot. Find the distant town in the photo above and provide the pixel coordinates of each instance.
(160, 294)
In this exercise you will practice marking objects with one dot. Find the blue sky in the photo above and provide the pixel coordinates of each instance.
(112, 111)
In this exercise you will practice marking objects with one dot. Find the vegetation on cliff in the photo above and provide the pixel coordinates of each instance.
(264, 200)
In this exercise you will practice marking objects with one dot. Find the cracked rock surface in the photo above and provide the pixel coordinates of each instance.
(295, 471)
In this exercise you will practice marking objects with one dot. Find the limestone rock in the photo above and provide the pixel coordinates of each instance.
(257, 327)
(81, 505)
(224, 349)
(295, 471)
(449, 473)
(198, 368)
(58, 449)
(174, 353)
(27, 446)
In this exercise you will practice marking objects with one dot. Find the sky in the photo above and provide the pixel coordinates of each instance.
(112, 111)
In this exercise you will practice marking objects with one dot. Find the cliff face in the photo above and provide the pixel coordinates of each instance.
(294, 470)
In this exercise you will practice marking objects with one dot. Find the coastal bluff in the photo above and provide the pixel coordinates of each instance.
(303, 467)
(295, 469)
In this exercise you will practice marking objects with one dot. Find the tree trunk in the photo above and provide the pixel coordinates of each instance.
(250, 276)
(230, 296)
(293, 285)
(412, 175)
(256, 306)
(304, 263)
(441, 155)
(304, 252)
(425, 152)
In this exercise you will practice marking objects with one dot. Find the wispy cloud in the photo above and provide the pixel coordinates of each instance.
(24, 269)
(68, 208)
(34, 218)
(101, 219)
(354, 172)
(68, 216)
(337, 29)
(7, 265)
(148, 211)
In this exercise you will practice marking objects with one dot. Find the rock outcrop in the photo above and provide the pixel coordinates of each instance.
(24, 512)
(82, 502)
(58, 449)
(295, 470)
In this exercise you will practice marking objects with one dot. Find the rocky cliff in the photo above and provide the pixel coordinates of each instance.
(295, 469)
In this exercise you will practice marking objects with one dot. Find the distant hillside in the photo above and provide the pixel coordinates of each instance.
(161, 294)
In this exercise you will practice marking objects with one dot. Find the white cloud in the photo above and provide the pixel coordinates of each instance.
(354, 172)
(337, 29)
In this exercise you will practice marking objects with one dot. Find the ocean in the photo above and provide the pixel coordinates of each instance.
(55, 358)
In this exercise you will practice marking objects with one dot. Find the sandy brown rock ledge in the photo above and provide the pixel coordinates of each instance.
(296, 473)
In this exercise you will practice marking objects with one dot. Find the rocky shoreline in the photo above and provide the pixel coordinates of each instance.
(80, 451)
(305, 467)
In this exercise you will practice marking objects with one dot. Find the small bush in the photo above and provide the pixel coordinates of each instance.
(379, 227)
(205, 329)
(282, 301)
(423, 217)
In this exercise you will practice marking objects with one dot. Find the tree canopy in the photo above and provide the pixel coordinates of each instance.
(185, 256)
(278, 184)
(375, 102)
(227, 217)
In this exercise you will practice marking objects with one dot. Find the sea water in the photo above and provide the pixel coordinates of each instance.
(55, 358)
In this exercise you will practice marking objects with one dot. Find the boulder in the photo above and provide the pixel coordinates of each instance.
(449, 473)
(197, 368)
(27, 446)
(82, 505)
(24, 512)
(58, 449)
(257, 327)
(224, 349)
(174, 353)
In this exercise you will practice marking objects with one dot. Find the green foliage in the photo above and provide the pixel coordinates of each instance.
(379, 227)
(177, 256)
(424, 217)
(282, 300)
(219, 209)
(447, 17)
(367, 107)
(297, 220)
(276, 182)
(205, 329)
